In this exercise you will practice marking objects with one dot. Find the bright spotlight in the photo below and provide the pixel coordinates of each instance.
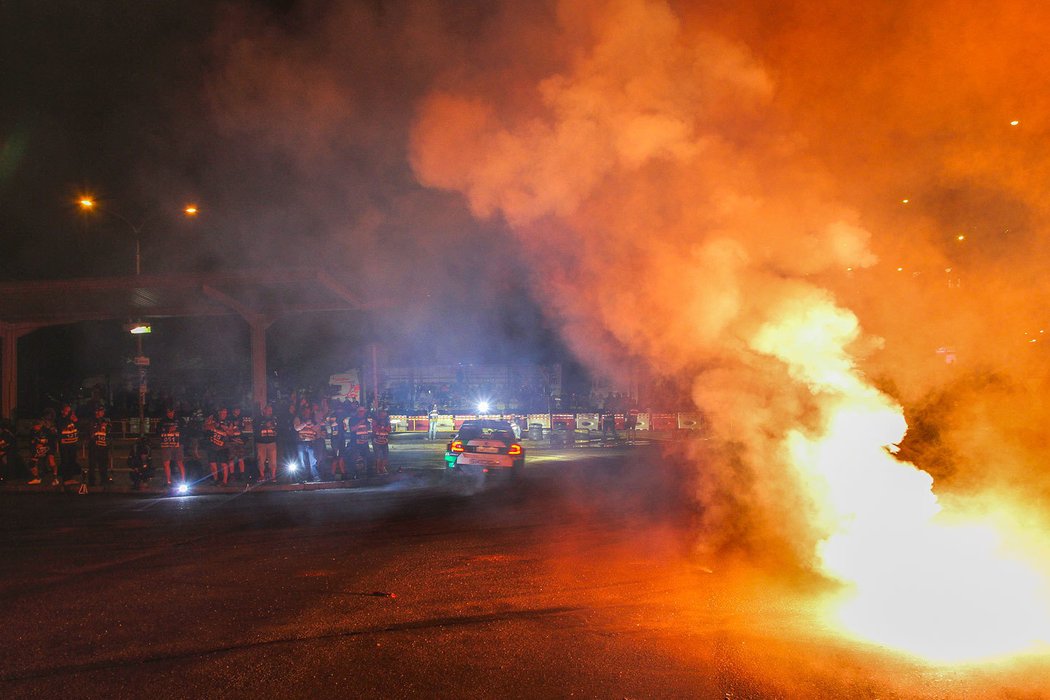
(293, 466)
(183, 489)
(483, 406)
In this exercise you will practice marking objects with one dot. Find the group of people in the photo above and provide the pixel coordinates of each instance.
(341, 441)
(314, 441)
(54, 440)
(349, 430)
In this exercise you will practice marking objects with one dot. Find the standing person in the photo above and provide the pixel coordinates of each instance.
(266, 431)
(360, 434)
(237, 443)
(381, 441)
(42, 444)
(306, 428)
(99, 457)
(218, 450)
(248, 435)
(8, 445)
(171, 446)
(192, 432)
(321, 441)
(432, 422)
(337, 437)
(287, 438)
(609, 424)
(630, 423)
(68, 441)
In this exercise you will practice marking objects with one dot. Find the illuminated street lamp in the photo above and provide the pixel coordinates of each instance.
(87, 203)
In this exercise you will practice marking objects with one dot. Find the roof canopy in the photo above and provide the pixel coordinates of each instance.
(260, 297)
(256, 293)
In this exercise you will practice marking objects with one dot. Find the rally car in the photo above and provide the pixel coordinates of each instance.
(485, 446)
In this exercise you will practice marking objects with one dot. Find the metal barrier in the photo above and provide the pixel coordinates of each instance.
(578, 422)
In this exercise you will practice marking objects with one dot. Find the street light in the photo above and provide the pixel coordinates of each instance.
(88, 203)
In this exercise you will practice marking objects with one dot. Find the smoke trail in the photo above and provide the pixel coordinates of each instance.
(683, 216)
(676, 175)
(672, 215)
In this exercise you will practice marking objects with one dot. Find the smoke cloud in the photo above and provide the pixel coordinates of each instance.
(687, 178)
(670, 182)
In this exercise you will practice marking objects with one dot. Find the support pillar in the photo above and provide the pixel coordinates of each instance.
(257, 326)
(9, 370)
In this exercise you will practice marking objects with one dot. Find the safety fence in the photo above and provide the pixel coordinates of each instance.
(554, 422)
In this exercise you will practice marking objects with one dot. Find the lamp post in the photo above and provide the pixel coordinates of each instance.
(87, 203)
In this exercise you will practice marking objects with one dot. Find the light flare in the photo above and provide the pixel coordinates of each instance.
(943, 586)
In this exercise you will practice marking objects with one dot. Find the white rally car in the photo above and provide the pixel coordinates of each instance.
(483, 446)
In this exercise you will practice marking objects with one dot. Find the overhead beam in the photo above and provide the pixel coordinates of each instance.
(225, 299)
(160, 281)
(338, 290)
(28, 305)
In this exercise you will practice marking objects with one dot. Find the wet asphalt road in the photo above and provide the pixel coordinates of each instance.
(579, 581)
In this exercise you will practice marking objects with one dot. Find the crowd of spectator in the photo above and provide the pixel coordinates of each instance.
(301, 438)
(302, 435)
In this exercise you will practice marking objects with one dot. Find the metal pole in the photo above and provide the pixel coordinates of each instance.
(138, 343)
(375, 380)
(142, 388)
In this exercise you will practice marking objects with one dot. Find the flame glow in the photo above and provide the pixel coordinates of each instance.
(681, 193)
(918, 580)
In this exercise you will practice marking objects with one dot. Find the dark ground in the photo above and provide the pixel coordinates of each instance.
(578, 581)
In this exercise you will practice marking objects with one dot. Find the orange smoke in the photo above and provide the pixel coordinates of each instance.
(706, 191)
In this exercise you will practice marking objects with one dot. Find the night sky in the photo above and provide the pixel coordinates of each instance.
(287, 123)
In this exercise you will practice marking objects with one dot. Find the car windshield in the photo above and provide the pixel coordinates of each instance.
(488, 430)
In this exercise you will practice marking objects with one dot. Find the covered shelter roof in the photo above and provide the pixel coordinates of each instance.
(254, 292)
(259, 296)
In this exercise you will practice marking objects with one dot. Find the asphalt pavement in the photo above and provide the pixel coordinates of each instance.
(409, 452)
(579, 580)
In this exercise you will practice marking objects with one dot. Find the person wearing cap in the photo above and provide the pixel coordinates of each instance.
(171, 446)
(99, 458)
(68, 441)
(42, 442)
(215, 427)
(266, 429)
(381, 441)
